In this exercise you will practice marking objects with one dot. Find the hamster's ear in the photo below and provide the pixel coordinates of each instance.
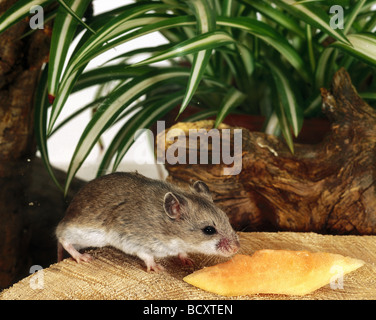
(173, 205)
(202, 188)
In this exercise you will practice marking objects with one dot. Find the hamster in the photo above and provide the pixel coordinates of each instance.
(147, 218)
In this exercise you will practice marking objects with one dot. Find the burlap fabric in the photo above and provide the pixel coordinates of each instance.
(114, 275)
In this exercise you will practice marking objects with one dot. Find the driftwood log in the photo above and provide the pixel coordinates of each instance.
(327, 188)
(21, 60)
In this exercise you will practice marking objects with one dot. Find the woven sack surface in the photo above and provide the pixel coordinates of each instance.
(115, 275)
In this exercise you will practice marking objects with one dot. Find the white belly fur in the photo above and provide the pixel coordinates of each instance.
(88, 237)
(85, 237)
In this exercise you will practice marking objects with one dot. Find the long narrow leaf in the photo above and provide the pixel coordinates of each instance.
(226, 7)
(150, 110)
(128, 31)
(247, 59)
(40, 119)
(200, 61)
(205, 16)
(363, 47)
(324, 69)
(61, 98)
(232, 99)
(68, 119)
(201, 115)
(271, 125)
(270, 36)
(71, 11)
(284, 126)
(313, 15)
(78, 63)
(353, 14)
(311, 54)
(117, 140)
(110, 109)
(18, 11)
(140, 51)
(143, 119)
(62, 35)
(107, 74)
(287, 97)
(368, 95)
(114, 28)
(209, 40)
(277, 15)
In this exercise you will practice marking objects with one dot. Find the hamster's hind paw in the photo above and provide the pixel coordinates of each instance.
(83, 257)
(156, 268)
(79, 257)
(151, 265)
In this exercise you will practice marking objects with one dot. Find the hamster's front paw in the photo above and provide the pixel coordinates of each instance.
(84, 257)
(151, 265)
(185, 261)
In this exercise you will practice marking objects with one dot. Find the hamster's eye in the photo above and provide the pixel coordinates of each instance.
(209, 230)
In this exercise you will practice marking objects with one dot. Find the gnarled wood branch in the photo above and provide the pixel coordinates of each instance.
(327, 188)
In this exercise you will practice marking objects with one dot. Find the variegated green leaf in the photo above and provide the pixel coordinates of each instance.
(201, 115)
(68, 7)
(363, 47)
(226, 8)
(119, 138)
(79, 61)
(232, 99)
(287, 97)
(270, 36)
(277, 15)
(108, 74)
(325, 68)
(350, 18)
(312, 105)
(140, 51)
(200, 61)
(67, 120)
(18, 11)
(310, 49)
(40, 118)
(313, 15)
(62, 35)
(272, 125)
(144, 119)
(284, 126)
(64, 91)
(118, 26)
(209, 40)
(110, 110)
(205, 16)
(133, 29)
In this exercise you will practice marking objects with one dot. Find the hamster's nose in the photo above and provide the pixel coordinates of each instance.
(229, 246)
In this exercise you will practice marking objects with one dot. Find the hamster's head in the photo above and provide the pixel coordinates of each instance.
(202, 226)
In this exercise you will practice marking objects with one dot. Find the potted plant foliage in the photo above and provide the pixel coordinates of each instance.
(256, 57)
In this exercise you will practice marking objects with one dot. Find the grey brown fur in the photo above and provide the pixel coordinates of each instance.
(145, 217)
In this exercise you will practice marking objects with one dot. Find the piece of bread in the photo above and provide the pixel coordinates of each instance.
(273, 271)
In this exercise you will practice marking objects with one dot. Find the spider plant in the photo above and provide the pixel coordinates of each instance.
(248, 56)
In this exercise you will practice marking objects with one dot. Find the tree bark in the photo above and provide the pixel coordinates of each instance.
(328, 187)
(20, 64)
